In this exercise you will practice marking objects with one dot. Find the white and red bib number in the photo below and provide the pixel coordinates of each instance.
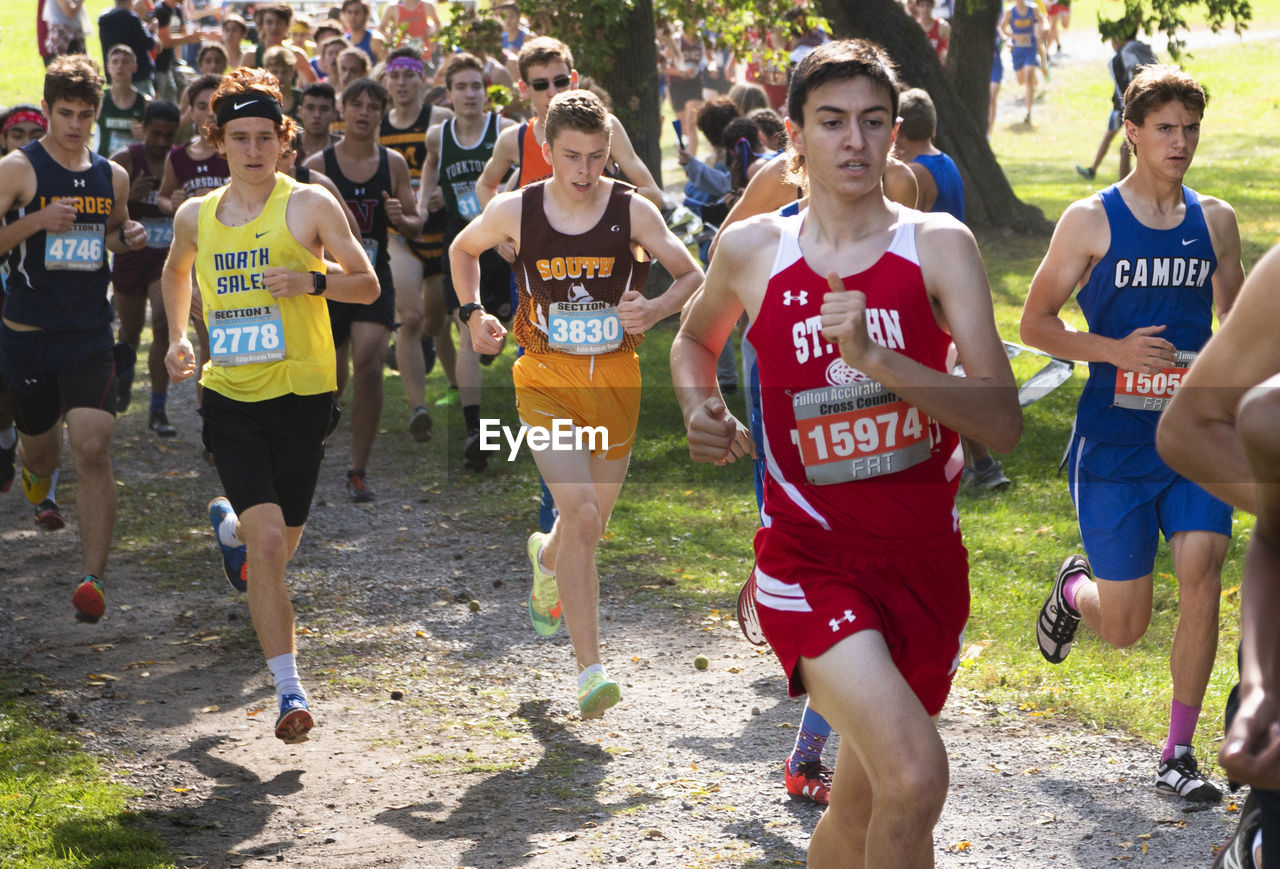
(242, 336)
(856, 432)
(1137, 391)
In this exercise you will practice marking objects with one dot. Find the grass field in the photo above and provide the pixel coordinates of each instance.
(681, 534)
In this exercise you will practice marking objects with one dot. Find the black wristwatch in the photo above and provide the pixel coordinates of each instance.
(465, 312)
(318, 283)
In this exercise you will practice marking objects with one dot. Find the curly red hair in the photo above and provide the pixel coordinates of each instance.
(238, 83)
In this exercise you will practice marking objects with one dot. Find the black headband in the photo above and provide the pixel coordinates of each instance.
(250, 105)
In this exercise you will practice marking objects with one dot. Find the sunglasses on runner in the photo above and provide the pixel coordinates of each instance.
(541, 84)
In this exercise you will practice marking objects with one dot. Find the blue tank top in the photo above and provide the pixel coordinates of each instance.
(59, 280)
(1023, 28)
(1149, 277)
(947, 179)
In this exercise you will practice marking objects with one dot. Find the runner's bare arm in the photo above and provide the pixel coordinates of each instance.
(171, 192)
(1197, 435)
(624, 154)
(926, 187)
(498, 223)
(429, 183)
(636, 313)
(175, 286)
(734, 281)
(122, 234)
(1251, 751)
(400, 203)
(900, 184)
(17, 189)
(503, 158)
(983, 404)
(1224, 231)
(1079, 241)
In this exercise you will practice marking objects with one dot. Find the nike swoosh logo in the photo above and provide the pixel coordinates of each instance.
(239, 106)
(1187, 241)
(260, 234)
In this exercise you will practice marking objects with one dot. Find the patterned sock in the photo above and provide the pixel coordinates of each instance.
(1072, 587)
(810, 740)
(158, 400)
(1182, 727)
(284, 671)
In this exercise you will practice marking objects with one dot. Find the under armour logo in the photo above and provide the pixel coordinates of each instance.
(801, 298)
(848, 617)
(359, 191)
(77, 182)
(202, 168)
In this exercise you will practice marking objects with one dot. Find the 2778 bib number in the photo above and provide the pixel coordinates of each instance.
(242, 336)
(1151, 391)
(857, 432)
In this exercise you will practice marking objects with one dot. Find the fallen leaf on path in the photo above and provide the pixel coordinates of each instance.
(211, 709)
(963, 845)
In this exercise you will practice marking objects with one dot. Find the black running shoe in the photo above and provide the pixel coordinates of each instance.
(1179, 776)
(358, 489)
(474, 458)
(1056, 627)
(420, 424)
(1238, 852)
(159, 423)
(49, 516)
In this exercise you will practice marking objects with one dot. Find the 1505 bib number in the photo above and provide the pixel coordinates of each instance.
(1138, 391)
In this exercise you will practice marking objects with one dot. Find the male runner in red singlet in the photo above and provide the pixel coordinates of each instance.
(861, 580)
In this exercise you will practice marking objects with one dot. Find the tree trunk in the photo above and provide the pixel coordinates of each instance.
(633, 82)
(989, 200)
(972, 53)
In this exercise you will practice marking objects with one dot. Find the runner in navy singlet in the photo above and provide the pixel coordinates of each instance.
(861, 581)
(64, 207)
(1152, 260)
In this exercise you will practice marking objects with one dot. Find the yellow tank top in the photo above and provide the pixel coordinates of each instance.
(260, 347)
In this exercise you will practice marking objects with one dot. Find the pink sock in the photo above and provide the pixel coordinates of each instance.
(1071, 586)
(1182, 727)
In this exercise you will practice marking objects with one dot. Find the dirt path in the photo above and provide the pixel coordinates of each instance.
(483, 761)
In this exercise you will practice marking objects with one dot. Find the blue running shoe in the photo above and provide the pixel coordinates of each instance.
(294, 722)
(235, 559)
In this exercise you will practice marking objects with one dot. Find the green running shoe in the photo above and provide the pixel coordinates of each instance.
(544, 597)
(597, 694)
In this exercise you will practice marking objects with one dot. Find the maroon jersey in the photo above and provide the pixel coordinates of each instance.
(842, 452)
(198, 177)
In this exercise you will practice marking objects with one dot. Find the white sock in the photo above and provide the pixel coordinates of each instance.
(587, 671)
(53, 486)
(284, 670)
(8, 438)
(542, 566)
(1257, 848)
(227, 531)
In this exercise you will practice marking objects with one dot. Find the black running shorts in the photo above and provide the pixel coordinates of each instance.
(268, 452)
(50, 373)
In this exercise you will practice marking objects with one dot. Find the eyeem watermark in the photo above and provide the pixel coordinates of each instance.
(562, 436)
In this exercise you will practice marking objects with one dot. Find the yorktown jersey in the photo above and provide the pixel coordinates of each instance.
(570, 285)
(843, 453)
(260, 347)
(1149, 277)
(461, 167)
(59, 280)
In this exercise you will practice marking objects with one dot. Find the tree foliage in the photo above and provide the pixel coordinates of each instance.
(1169, 18)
